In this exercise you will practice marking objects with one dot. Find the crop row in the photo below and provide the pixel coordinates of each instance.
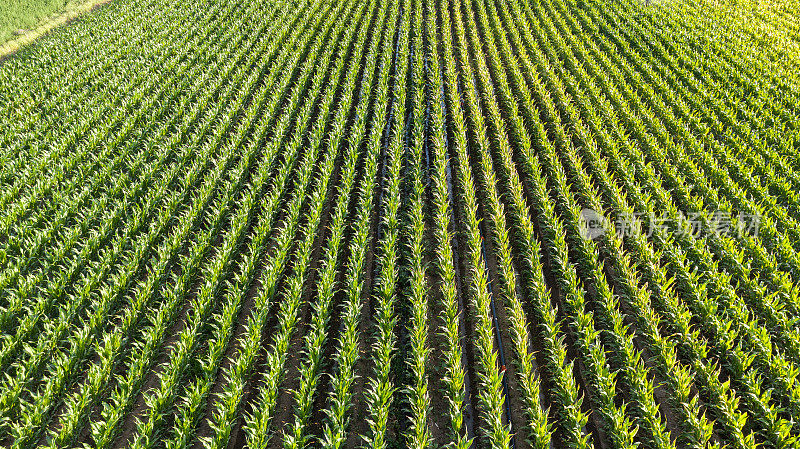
(306, 223)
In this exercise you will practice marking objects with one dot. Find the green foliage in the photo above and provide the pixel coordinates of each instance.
(306, 223)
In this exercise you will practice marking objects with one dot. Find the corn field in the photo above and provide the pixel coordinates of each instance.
(457, 224)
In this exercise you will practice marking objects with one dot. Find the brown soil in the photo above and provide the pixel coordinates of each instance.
(246, 309)
(512, 395)
(139, 409)
(362, 368)
(286, 401)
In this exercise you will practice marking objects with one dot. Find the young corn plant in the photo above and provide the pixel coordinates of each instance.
(337, 419)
